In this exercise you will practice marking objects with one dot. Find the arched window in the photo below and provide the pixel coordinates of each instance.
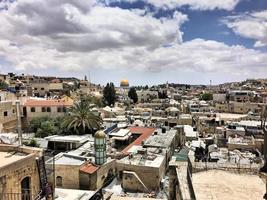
(59, 181)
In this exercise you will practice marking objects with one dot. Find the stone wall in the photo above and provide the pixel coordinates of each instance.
(104, 171)
(7, 117)
(150, 176)
(12, 174)
(69, 175)
(131, 182)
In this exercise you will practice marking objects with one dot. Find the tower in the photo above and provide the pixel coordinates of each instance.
(100, 147)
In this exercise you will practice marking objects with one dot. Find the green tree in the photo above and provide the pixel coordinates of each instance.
(3, 85)
(92, 100)
(80, 119)
(133, 95)
(47, 128)
(33, 143)
(35, 123)
(109, 94)
(206, 96)
(162, 94)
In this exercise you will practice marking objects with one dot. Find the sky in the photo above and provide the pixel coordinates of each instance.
(145, 41)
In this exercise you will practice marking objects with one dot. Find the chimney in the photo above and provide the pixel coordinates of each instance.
(19, 122)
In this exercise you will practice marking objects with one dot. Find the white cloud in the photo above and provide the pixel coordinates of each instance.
(68, 37)
(250, 25)
(192, 4)
(68, 26)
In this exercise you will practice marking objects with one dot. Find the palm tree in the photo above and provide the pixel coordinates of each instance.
(81, 119)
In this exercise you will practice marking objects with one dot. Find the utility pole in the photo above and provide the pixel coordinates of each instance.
(54, 179)
(19, 122)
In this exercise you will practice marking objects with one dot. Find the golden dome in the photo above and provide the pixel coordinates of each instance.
(100, 134)
(124, 83)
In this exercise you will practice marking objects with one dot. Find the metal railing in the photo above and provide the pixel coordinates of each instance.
(27, 195)
(16, 196)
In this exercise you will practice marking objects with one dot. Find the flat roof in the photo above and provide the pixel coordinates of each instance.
(229, 116)
(70, 194)
(220, 185)
(189, 131)
(153, 160)
(67, 159)
(120, 133)
(251, 123)
(68, 138)
(116, 197)
(7, 158)
(185, 116)
(164, 140)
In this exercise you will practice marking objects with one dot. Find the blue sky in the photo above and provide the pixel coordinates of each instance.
(145, 41)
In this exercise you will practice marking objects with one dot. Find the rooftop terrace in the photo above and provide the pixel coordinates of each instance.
(220, 185)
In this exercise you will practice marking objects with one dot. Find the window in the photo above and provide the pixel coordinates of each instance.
(48, 109)
(43, 109)
(35, 88)
(64, 109)
(13, 111)
(32, 109)
(59, 109)
(5, 113)
(59, 181)
(42, 88)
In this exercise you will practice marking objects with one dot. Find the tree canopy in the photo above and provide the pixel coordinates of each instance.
(133, 95)
(206, 96)
(80, 119)
(162, 94)
(3, 85)
(109, 94)
(45, 126)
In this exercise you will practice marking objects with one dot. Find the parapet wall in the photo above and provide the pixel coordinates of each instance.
(237, 168)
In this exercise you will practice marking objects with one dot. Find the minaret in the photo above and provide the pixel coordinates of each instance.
(100, 148)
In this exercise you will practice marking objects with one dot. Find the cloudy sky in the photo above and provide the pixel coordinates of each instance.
(145, 41)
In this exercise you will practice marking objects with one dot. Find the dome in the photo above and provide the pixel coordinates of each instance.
(124, 83)
(100, 134)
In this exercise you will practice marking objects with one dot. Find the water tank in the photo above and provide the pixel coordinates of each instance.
(100, 148)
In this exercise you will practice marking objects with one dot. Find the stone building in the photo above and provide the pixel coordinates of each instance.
(78, 172)
(66, 170)
(19, 172)
(141, 173)
(46, 107)
(7, 116)
(40, 88)
(93, 177)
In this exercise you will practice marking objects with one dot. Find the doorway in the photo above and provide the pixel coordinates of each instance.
(26, 188)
